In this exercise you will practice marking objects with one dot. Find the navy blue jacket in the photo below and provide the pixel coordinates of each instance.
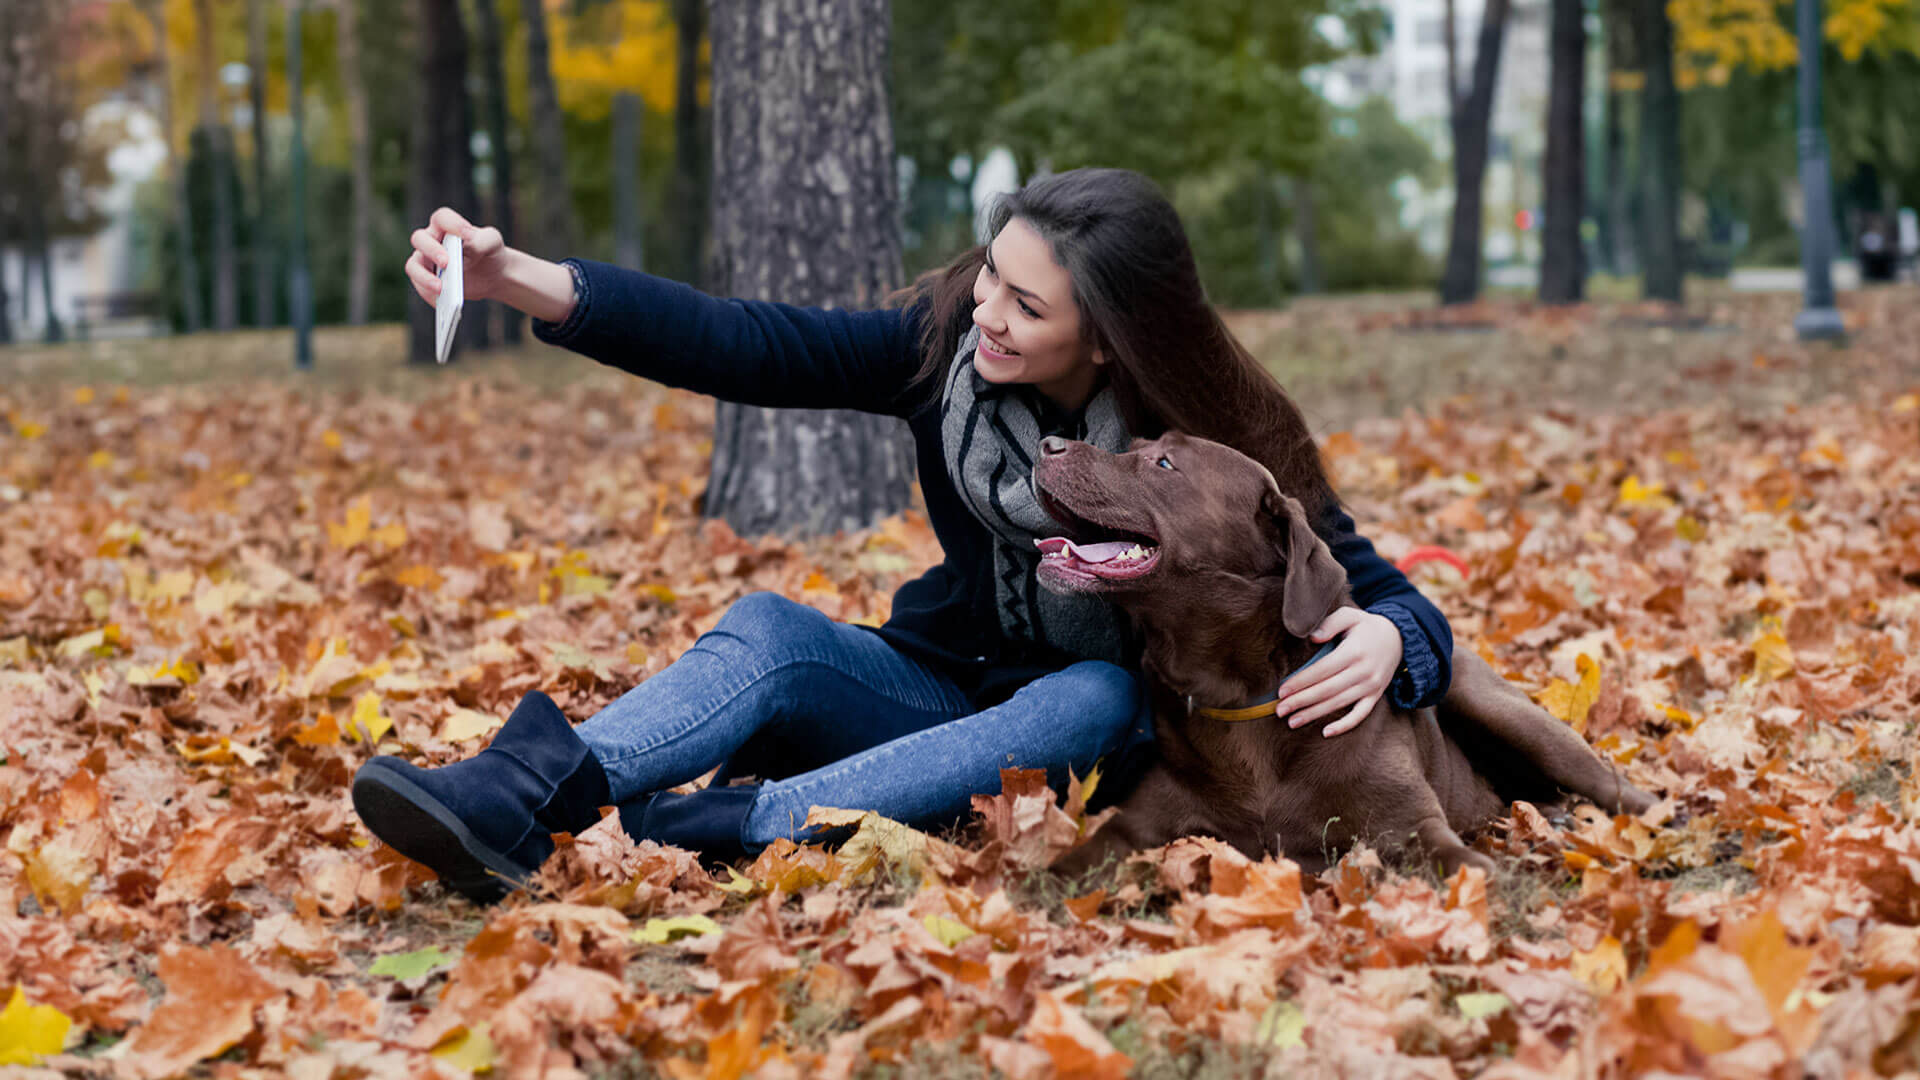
(759, 353)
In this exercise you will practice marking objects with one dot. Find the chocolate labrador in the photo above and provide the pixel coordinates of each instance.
(1225, 578)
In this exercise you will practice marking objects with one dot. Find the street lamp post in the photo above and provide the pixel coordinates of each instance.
(299, 285)
(1818, 320)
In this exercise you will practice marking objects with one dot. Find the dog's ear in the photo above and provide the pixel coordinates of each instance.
(1314, 582)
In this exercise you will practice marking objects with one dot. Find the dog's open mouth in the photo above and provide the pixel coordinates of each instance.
(1094, 553)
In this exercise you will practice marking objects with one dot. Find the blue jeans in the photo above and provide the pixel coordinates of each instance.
(840, 718)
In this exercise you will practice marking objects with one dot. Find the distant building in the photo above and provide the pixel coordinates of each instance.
(1411, 71)
(89, 271)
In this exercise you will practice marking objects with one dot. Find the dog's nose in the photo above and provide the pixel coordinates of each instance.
(1051, 445)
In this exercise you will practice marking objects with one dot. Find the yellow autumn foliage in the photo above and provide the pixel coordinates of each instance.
(627, 45)
(1713, 38)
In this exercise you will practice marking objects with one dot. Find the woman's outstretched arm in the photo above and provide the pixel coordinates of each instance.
(748, 351)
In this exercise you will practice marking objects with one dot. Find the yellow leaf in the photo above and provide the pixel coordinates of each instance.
(817, 582)
(468, 1048)
(391, 536)
(178, 668)
(737, 883)
(661, 931)
(79, 645)
(1906, 403)
(355, 528)
(1649, 496)
(58, 873)
(27, 429)
(83, 395)
(367, 719)
(99, 459)
(14, 651)
(636, 653)
(420, 576)
(1603, 967)
(1772, 656)
(1681, 718)
(1477, 1006)
(1689, 529)
(950, 932)
(660, 593)
(29, 1032)
(1283, 1025)
(464, 724)
(1570, 703)
(330, 439)
(239, 480)
(324, 731)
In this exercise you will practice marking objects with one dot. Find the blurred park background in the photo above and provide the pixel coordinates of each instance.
(167, 170)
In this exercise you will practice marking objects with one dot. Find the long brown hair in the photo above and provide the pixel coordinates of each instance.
(1173, 363)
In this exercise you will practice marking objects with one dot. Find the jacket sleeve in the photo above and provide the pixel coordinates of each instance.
(752, 352)
(1426, 666)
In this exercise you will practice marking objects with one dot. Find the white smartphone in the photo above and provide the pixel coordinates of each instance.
(446, 311)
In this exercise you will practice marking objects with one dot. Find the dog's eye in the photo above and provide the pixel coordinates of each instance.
(1164, 462)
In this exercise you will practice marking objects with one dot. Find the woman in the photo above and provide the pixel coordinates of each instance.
(1083, 315)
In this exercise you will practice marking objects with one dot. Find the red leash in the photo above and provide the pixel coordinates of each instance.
(1432, 553)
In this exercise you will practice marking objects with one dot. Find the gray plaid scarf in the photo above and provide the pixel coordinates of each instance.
(990, 433)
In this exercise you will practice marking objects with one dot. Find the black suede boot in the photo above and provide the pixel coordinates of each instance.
(482, 824)
(710, 821)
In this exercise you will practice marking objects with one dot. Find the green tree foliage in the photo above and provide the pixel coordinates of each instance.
(1205, 96)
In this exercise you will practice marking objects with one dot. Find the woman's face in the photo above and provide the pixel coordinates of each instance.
(1029, 324)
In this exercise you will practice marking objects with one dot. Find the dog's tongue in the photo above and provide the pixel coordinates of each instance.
(1106, 551)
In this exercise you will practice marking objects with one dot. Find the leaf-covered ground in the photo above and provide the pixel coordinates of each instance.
(219, 594)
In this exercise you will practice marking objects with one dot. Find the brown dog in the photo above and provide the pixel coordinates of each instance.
(1226, 578)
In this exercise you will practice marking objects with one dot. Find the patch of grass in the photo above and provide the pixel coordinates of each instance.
(929, 1061)
(663, 969)
(1516, 890)
(1725, 875)
(1186, 1056)
(632, 1067)
(812, 1022)
(1049, 891)
(1881, 782)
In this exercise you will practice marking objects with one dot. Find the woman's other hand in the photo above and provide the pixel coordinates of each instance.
(1351, 677)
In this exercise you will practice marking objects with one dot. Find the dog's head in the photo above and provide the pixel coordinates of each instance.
(1179, 513)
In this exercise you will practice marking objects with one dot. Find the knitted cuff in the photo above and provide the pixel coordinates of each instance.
(559, 333)
(1419, 668)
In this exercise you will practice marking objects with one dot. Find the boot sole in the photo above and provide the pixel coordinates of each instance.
(421, 827)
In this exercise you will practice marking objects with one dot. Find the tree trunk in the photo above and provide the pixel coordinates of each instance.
(226, 304)
(1562, 267)
(1660, 253)
(494, 79)
(8, 92)
(37, 235)
(628, 248)
(1306, 227)
(804, 211)
(360, 148)
(263, 278)
(1460, 281)
(193, 314)
(557, 232)
(691, 181)
(1618, 241)
(442, 150)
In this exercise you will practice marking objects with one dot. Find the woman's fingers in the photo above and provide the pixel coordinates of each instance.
(1360, 711)
(429, 245)
(448, 220)
(425, 281)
